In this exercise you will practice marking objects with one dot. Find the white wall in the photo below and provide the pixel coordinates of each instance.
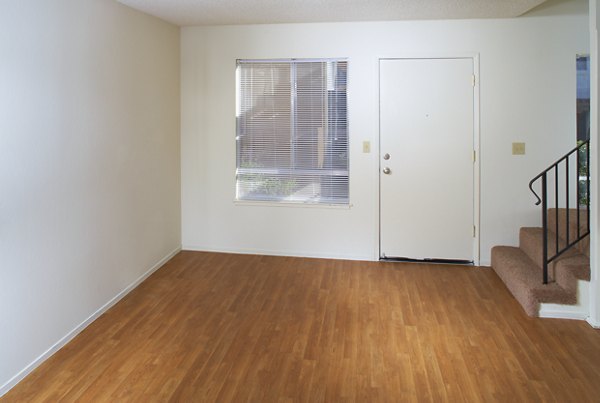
(89, 164)
(527, 68)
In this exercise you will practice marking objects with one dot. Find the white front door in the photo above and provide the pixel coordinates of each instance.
(426, 145)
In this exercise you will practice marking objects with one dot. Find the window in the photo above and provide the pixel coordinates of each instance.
(292, 131)
(583, 97)
(583, 124)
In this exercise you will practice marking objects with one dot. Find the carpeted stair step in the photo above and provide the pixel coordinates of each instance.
(531, 241)
(523, 278)
(566, 269)
(584, 245)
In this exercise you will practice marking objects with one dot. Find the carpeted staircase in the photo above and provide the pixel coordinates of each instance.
(521, 268)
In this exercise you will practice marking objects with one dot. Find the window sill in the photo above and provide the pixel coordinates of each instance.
(292, 204)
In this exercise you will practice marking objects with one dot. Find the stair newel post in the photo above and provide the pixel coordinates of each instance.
(545, 228)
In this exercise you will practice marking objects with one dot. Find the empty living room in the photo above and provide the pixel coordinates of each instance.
(299, 200)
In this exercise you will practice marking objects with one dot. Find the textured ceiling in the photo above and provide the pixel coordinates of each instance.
(225, 12)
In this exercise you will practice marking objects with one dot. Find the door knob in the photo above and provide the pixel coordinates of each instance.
(387, 171)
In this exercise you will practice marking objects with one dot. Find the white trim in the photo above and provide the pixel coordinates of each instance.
(376, 161)
(69, 336)
(594, 301)
(266, 252)
(476, 142)
(309, 255)
(593, 323)
(432, 55)
(477, 167)
(574, 314)
(290, 60)
(292, 204)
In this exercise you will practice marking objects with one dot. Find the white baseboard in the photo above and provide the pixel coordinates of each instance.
(69, 336)
(242, 251)
(593, 323)
(562, 314)
(578, 311)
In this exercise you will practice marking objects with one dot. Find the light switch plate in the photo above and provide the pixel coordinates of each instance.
(518, 148)
(366, 146)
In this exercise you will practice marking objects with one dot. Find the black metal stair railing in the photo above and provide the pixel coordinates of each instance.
(582, 177)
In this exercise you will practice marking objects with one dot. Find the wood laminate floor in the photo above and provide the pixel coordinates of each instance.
(211, 327)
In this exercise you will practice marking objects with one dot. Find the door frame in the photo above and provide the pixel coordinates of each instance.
(474, 56)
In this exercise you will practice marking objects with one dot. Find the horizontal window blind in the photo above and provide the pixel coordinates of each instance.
(292, 131)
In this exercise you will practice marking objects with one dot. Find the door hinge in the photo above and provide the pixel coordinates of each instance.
(474, 155)
(474, 231)
(473, 80)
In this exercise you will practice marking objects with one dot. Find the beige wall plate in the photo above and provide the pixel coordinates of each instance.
(518, 148)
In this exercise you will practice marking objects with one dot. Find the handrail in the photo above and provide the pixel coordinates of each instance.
(538, 176)
(583, 146)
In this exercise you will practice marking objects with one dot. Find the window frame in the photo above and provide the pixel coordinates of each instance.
(293, 203)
